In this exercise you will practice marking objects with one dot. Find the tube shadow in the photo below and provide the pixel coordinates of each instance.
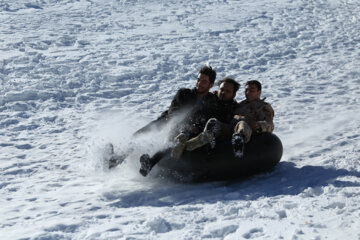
(285, 179)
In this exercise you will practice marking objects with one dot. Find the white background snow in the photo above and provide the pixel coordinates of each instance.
(76, 75)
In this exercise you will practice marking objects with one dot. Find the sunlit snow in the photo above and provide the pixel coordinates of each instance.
(78, 74)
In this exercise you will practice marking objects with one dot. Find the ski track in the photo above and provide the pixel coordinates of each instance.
(75, 75)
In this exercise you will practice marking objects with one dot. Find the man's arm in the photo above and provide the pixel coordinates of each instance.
(164, 117)
(176, 104)
(266, 125)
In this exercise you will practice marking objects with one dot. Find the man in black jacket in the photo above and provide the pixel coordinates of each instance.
(195, 106)
(192, 106)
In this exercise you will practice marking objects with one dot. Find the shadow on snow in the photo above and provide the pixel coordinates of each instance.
(286, 179)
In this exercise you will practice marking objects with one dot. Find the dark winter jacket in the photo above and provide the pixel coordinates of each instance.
(225, 110)
(225, 114)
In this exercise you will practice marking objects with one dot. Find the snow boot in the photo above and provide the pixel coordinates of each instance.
(238, 142)
(213, 127)
(109, 156)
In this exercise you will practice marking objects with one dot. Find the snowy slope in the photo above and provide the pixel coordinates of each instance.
(76, 75)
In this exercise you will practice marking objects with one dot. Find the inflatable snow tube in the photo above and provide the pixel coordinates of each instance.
(261, 154)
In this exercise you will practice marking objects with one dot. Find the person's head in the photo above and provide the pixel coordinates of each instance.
(205, 80)
(227, 89)
(252, 90)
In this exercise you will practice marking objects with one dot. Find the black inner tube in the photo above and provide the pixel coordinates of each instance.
(261, 154)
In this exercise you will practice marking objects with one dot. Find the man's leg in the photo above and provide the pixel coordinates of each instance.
(147, 162)
(114, 159)
(211, 130)
(242, 135)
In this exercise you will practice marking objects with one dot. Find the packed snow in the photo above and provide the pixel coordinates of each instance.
(78, 74)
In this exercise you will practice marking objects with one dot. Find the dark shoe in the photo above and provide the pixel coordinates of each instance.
(145, 164)
(109, 149)
(238, 142)
(116, 160)
(212, 127)
(108, 156)
(113, 159)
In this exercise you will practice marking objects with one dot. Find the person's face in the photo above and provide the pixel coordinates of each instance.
(203, 84)
(251, 92)
(226, 91)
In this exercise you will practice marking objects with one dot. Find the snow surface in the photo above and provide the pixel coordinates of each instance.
(76, 75)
